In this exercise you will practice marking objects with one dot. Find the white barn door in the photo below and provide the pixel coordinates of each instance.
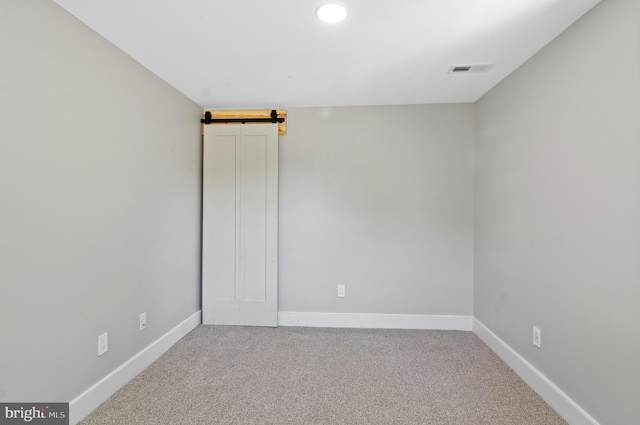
(240, 225)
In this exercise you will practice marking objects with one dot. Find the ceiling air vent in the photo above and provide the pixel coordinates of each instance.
(470, 69)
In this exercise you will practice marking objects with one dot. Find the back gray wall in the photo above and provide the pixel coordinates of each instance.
(379, 199)
(100, 204)
(558, 211)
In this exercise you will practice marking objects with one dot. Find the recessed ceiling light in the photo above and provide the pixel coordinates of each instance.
(331, 13)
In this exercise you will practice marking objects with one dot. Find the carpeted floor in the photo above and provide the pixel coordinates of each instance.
(243, 375)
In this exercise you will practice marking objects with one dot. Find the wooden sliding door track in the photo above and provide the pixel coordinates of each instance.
(247, 117)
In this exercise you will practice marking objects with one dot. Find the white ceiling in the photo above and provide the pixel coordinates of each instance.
(276, 53)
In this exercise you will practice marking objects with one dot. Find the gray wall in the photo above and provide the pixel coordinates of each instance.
(99, 204)
(558, 211)
(379, 199)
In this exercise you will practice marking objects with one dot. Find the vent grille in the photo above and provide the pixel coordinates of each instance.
(470, 69)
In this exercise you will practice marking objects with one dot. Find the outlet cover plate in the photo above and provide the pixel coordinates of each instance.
(103, 343)
(143, 321)
(537, 338)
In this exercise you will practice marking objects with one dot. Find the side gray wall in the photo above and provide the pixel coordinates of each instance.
(99, 204)
(557, 227)
(379, 199)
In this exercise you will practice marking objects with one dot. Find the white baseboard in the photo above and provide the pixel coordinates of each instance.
(550, 393)
(88, 401)
(374, 321)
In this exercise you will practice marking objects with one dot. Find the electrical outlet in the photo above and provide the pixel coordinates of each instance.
(537, 338)
(103, 343)
(341, 291)
(143, 321)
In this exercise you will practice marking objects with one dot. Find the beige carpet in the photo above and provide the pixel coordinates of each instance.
(242, 375)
